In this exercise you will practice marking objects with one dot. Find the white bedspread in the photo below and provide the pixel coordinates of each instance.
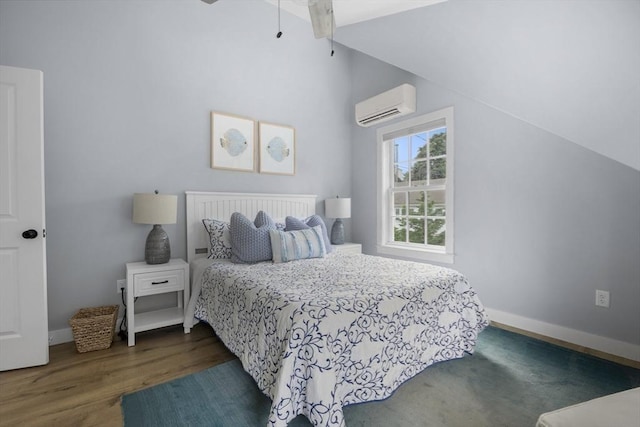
(320, 334)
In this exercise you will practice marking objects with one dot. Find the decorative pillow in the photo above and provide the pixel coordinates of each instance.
(219, 238)
(250, 241)
(297, 244)
(294, 223)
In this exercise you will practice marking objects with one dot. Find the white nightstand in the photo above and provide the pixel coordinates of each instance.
(355, 248)
(145, 279)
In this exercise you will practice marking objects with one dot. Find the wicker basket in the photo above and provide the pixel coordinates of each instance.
(93, 327)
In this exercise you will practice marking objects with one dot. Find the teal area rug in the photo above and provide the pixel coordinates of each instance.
(509, 381)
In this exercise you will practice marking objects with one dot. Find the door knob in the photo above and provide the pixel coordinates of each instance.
(30, 234)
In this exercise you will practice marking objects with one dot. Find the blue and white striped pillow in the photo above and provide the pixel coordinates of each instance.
(298, 244)
(293, 223)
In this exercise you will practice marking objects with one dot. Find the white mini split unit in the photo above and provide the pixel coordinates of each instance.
(388, 105)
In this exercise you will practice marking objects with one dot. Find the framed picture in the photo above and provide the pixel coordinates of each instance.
(232, 142)
(277, 149)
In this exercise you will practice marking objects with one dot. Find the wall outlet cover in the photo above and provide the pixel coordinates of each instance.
(602, 298)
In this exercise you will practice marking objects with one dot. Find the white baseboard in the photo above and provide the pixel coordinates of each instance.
(573, 336)
(61, 336)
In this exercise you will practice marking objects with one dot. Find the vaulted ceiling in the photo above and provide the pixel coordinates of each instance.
(352, 11)
(569, 67)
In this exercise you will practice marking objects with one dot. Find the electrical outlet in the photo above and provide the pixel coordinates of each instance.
(602, 298)
(121, 284)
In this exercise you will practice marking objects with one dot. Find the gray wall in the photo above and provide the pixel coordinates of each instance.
(540, 222)
(129, 87)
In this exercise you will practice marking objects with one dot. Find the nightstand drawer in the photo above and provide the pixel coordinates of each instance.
(158, 282)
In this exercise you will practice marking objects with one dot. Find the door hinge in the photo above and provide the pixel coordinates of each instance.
(44, 233)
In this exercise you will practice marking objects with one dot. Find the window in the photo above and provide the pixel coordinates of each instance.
(415, 187)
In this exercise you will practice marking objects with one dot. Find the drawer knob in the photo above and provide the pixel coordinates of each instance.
(160, 283)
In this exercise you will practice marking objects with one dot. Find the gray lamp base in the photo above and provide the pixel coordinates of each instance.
(337, 232)
(157, 250)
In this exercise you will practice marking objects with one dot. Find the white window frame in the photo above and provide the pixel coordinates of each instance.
(386, 245)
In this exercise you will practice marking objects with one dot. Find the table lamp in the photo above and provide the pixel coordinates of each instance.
(155, 209)
(337, 208)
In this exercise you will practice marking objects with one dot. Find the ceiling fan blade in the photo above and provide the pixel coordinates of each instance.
(322, 20)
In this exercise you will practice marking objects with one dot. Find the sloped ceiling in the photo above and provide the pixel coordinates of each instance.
(569, 67)
(351, 11)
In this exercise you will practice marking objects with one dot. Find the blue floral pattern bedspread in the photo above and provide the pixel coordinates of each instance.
(320, 334)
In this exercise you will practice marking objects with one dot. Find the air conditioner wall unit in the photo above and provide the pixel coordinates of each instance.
(388, 105)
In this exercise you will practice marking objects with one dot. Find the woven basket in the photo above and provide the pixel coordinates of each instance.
(93, 327)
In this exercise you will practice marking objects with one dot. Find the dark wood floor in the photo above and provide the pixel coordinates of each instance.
(85, 389)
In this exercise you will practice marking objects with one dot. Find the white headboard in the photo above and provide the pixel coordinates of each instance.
(220, 206)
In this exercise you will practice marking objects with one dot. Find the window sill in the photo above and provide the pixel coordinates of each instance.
(415, 254)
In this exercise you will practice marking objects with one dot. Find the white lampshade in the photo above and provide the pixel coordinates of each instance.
(155, 208)
(337, 208)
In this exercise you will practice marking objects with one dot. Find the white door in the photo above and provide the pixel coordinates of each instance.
(23, 274)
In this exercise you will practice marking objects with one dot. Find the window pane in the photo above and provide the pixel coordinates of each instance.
(436, 232)
(436, 202)
(438, 170)
(416, 230)
(416, 202)
(419, 173)
(399, 229)
(438, 142)
(401, 150)
(400, 203)
(401, 175)
(419, 146)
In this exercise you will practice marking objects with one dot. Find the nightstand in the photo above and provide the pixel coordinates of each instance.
(355, 248)
(146, 279)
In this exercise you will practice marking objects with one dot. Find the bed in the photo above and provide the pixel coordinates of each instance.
(320, 333)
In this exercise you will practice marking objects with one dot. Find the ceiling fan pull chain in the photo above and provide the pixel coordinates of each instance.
(279, 32)
(332, 21)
